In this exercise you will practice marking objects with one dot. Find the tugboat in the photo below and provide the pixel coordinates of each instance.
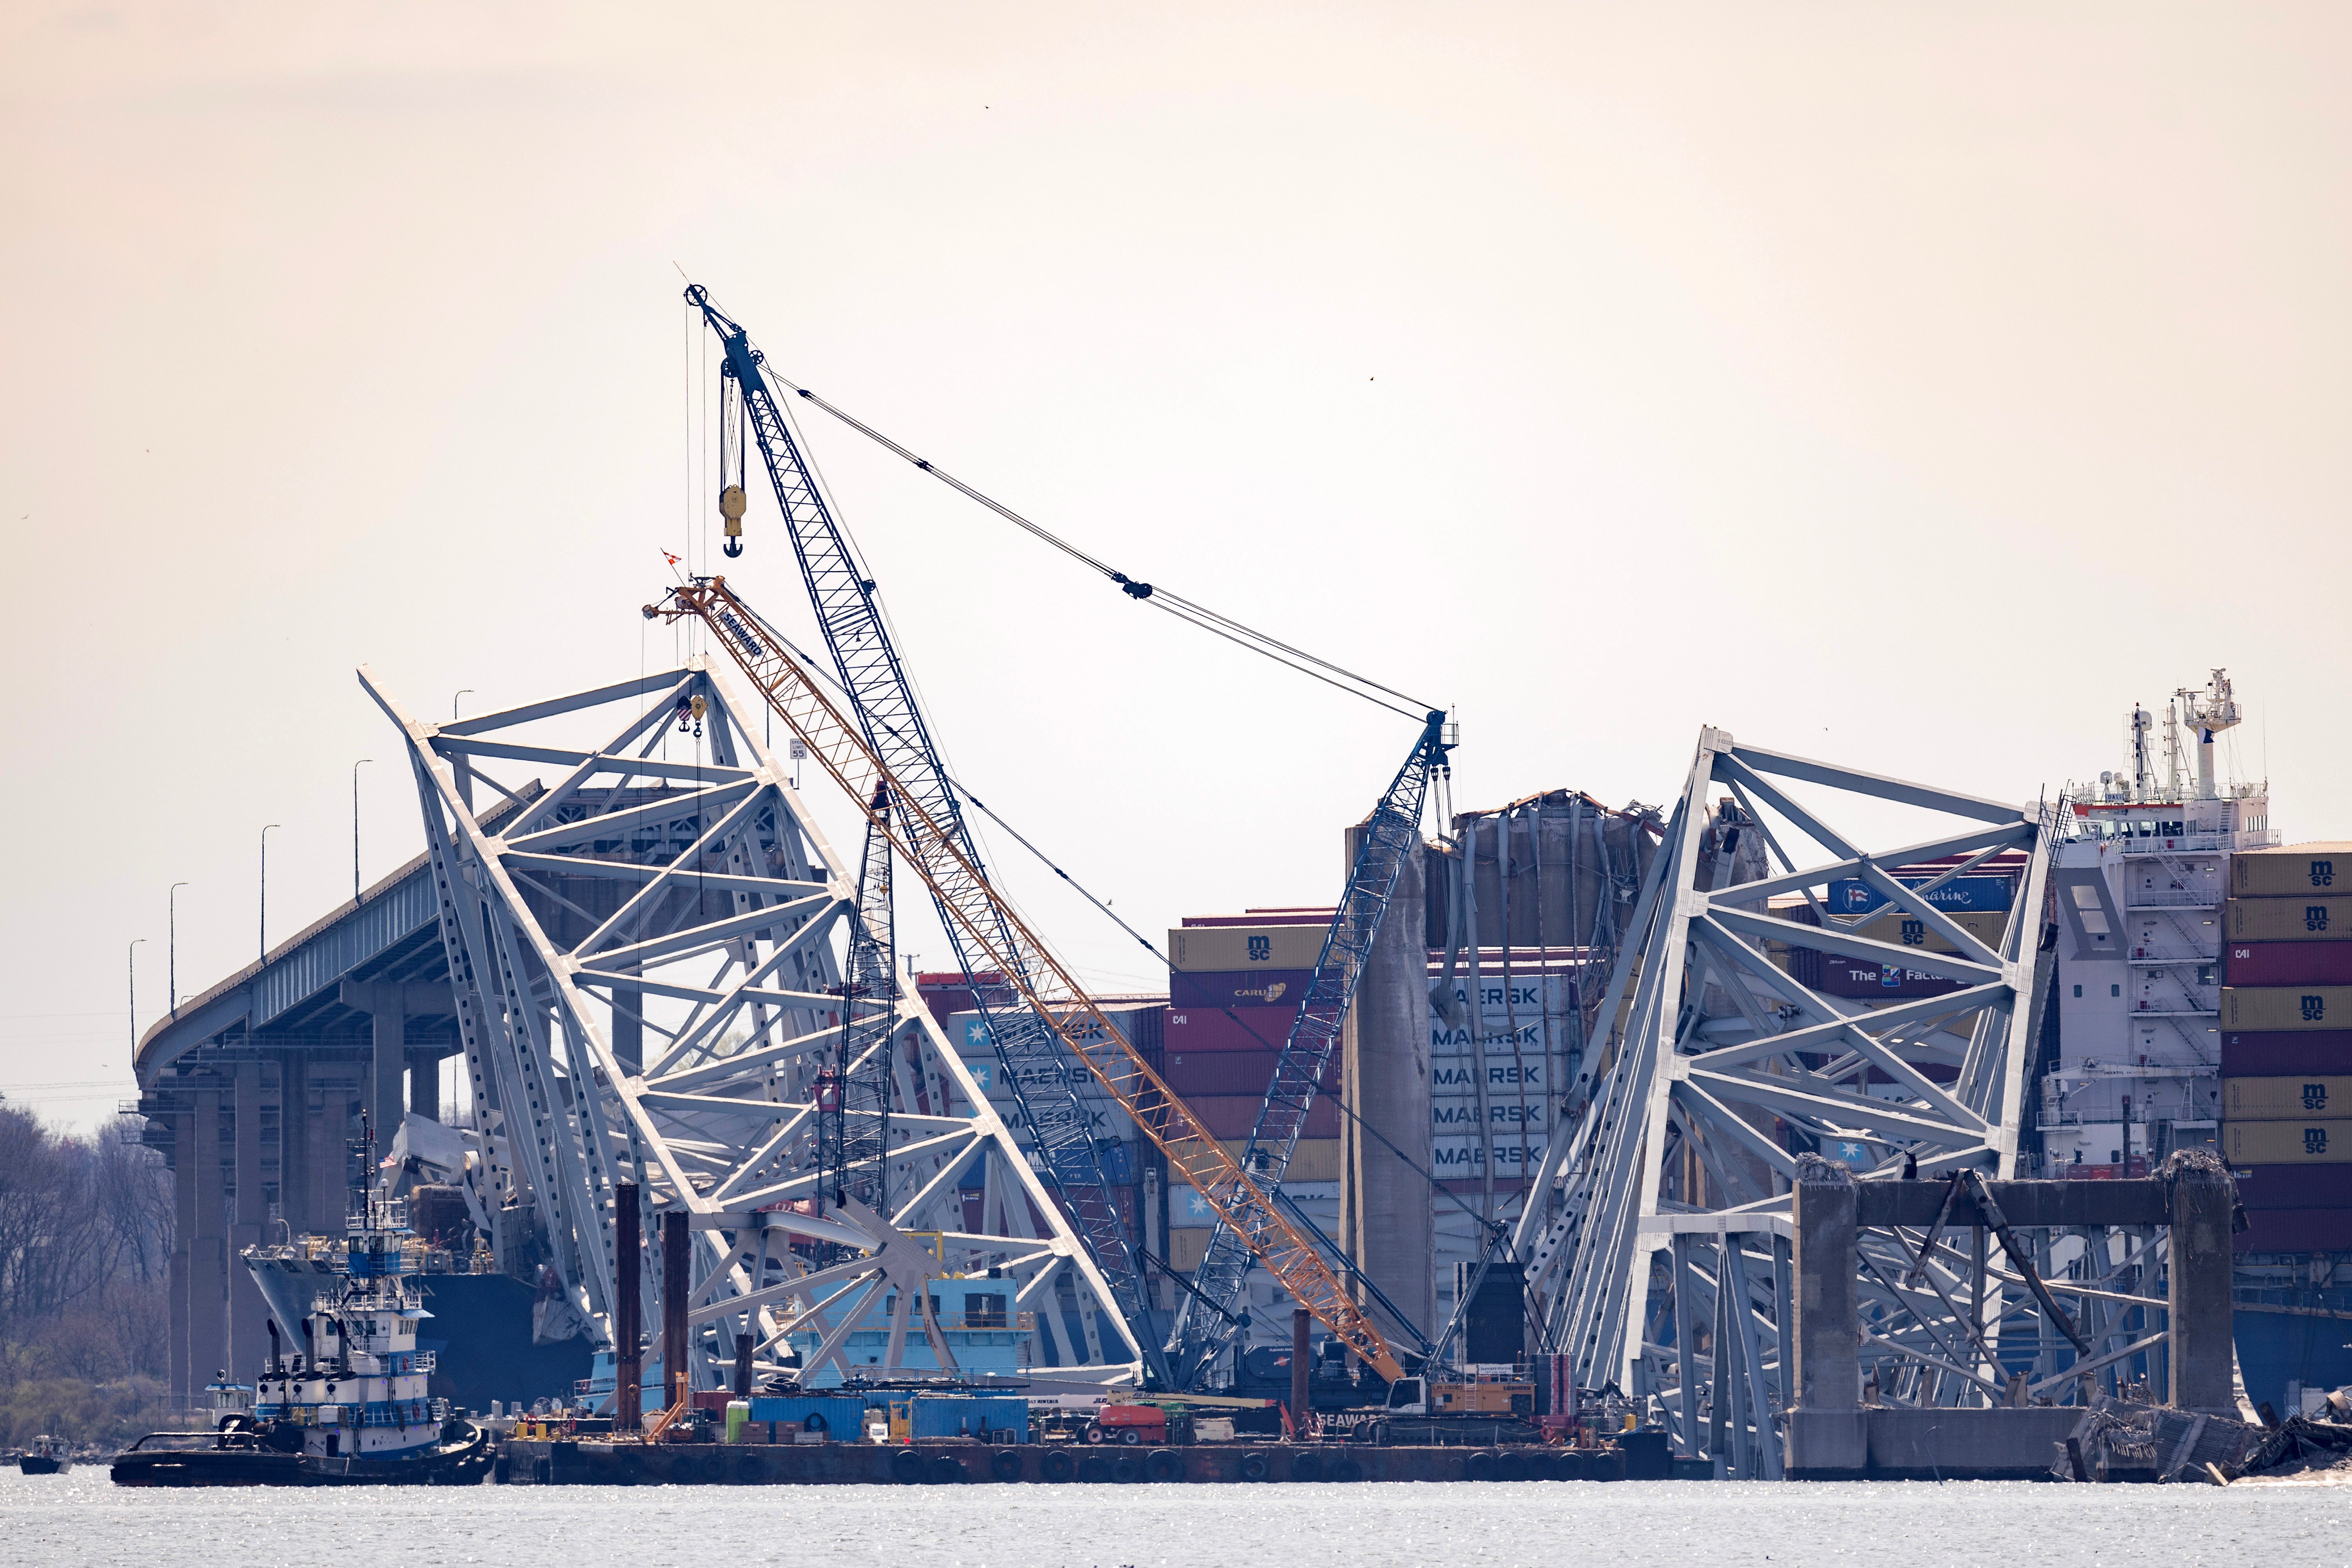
(48, 1456)
(348, 1409)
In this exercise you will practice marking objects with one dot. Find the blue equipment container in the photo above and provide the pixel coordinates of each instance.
(965, 1415)
(841, 1419)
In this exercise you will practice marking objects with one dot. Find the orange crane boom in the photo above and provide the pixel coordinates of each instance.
(1045, 984)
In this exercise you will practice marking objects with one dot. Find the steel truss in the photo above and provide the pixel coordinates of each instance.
(650, 958)
(1674, 1184)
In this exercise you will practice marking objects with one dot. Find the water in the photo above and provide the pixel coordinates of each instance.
(83, 1519)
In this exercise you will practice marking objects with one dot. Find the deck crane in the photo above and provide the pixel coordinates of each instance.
(994, 938)
(1207, 1321)
(1037, 1070)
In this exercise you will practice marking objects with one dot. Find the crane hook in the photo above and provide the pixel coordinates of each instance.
(697, 704)
(733, 504)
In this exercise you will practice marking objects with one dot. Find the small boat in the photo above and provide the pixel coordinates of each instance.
(48, 1456)
(348, 1409)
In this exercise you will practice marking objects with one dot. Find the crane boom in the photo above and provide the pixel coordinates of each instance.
(1050, 994)
(1207, 1322)
(892, 724)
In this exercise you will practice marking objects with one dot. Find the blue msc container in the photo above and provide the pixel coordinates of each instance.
(843, 1420)
(963, 1415)
(1968, 895)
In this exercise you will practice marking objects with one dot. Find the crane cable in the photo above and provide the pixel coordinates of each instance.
(1141, 941)
(1174, 604)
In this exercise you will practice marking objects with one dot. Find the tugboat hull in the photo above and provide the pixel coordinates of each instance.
(461, 1459)
(43, 1464)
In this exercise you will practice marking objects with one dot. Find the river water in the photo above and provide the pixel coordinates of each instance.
(83, 1519)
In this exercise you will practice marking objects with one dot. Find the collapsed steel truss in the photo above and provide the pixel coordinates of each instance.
(648, 961)
(1669, 1200)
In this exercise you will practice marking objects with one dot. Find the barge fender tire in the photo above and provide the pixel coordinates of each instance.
(1164, 1464)
(1093, 1469)
(751, 1469)
(1005, 1465)
(946, 1470)
(1256, 1466)
(906, 1468)
(1479, 1467)
(1056, 1465)
(1306, 1467)
(1126, 1469)
(1510, 1466)
(1347, 1468)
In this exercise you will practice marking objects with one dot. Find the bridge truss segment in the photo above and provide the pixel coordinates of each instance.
(650, 958)
(1669, 1200)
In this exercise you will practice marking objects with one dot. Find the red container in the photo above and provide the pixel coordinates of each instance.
(2287, 963)
(1231, 1072)
(2296, 1187)
(1265, 918)
(1238, 988)
(2295, 1230)
(1234, 1115)
(2325, 1051)
(1209, 1029)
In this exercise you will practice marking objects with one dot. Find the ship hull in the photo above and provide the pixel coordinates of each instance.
(462, 1459)
(2300, 1346)
(43, 1464)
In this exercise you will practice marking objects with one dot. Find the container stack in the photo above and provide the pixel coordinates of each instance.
(2286, 1045)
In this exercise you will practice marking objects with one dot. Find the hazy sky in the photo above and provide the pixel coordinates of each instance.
(1915, 386)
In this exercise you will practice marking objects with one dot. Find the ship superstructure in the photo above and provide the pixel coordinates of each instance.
(2139, 883)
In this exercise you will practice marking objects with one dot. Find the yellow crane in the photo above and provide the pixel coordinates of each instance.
(1046, 985)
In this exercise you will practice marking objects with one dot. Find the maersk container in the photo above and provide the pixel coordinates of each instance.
(1212, 1028)
(2288, 920)
(842, 1420)
(2291, 1099)
(965, 1415)
(2298, 868)
(1237, 988)
(2310, 1142)
(1194, 950)
(2286, 1008)
(2256, 1053)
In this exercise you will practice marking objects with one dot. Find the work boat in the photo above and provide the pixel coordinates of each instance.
(350, 1406)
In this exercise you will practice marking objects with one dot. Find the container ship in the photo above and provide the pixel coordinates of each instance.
(2204, 999)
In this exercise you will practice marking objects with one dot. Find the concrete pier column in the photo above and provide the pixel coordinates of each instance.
(1829, 1364)
(183, 1233)
(1387, 1221)
(677, 1285)
(424, 1083)
(628, 1316)
(208, 1350)
(249, 1340)
(2202, 1197)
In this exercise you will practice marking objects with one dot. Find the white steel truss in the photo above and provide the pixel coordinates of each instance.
(1725, 1069)
(647, 956)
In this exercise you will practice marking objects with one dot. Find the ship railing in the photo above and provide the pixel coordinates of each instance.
(2172, 899)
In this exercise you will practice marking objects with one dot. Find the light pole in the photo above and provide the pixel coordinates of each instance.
(265, 891)
(355, 826)
(172, 900)
(462, 691)
(131, 968)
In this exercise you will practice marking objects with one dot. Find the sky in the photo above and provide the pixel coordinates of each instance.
(1914, 386)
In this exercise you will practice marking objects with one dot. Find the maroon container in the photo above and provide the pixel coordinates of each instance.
(1190, 1073)
(1211, 1029)
(2295, 1230)
(2296, 1186)
(1234, 1115)
(2287, 963)
(2282, 1055)
(1238, 987)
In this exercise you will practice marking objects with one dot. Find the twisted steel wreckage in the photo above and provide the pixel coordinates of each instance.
(662, 974)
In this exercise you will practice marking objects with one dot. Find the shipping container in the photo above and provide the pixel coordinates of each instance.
(1505, 1114)
(841, 1419)
(2286, 1008)
(2256, 1055)
(1459, 1159)
(2288, 920)
(2295, 1230)
(1261, 917)
(2297, 869)
(1314, 1160)
(1975, 895)
(2296, 1186)
(2287, 963)
(2290, 1098)
(1840, 976)
(1220, 948)
(1237, 988)
(1898, 930)
(1457, 1078)
(1186, 1248)
(1190, 1029)
(963, 1415)
(1234, 1115)
(2311, 1142)
(1232, 1072)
